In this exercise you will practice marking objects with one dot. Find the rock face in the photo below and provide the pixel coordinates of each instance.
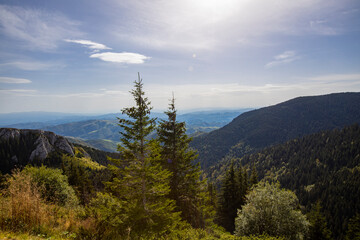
(42, 142)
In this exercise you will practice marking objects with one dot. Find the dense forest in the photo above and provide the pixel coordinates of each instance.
(319, 167)
(306, 188)
(257, 129)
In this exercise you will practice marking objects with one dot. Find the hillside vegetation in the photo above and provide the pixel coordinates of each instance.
(264, 127)
(323, 167)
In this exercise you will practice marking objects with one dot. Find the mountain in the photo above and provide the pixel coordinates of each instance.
(43, 118)
(267, 126)
(101, 144)
(21, 147)
(323, 166)
(90, 129)
(102, 131)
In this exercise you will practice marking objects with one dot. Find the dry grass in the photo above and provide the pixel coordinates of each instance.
(23, 209)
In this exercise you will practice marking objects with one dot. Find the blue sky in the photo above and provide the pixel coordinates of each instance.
(83, 56)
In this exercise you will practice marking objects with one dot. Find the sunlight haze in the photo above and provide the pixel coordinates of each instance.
(83, 56)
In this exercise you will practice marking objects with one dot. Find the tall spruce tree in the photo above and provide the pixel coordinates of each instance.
(185, 185)
(232, 197)
(140, 184)
(242, 187)
(228, 201)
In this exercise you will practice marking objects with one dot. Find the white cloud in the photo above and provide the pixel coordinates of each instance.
(14, 80)
(124, 57)
(89, 44)
(283, 58)
(32, 65)
(38, 29)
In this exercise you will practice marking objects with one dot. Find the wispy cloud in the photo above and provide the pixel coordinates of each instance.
(89, 44)
(209, 25)
(14, 80)
(124, 57)
(38, 29)
(336, 77)
(18, 92)
(322, 27)
(32, 65)
(283, 58)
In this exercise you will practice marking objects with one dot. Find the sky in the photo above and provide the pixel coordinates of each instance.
(83, 56)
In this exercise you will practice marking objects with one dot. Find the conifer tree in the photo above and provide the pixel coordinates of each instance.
(242, 187)
(253, 177)
(318, 227)
(228, 201)
(140, 185)
(185, 184)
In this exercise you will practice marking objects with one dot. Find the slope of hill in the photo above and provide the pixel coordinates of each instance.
(101, 144)
(323, 166)
(264, 127)
(90, 129)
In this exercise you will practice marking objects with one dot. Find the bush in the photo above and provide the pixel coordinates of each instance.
(272, 211)
(53, 185)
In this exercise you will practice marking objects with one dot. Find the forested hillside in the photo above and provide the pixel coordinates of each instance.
(323, 167)
(267, 126)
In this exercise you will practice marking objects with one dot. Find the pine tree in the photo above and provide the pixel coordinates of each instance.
(228, 201)
(140, 185)
(185, 184)
(318, 227)
(253, 177)
(242, 187)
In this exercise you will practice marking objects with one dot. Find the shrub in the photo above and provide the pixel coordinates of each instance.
(271, 210)
(53, 185)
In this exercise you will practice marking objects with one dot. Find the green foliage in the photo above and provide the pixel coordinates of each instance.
(185, 184)
(322, 166)
(232, 197)
(318, 227)
(84, 175)
(53, 185)
(353, 232)
(271, 210)
(140, 185)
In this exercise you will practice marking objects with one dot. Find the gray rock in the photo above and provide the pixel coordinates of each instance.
(43, 148)
(45, 142)
(7, 133)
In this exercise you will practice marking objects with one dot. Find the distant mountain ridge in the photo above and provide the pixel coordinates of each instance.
(267, 126)
(102, 131)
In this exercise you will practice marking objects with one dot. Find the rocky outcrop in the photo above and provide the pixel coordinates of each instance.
(43, 142)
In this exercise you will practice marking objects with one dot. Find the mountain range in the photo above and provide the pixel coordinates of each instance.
(102, 131)
(257, 129)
